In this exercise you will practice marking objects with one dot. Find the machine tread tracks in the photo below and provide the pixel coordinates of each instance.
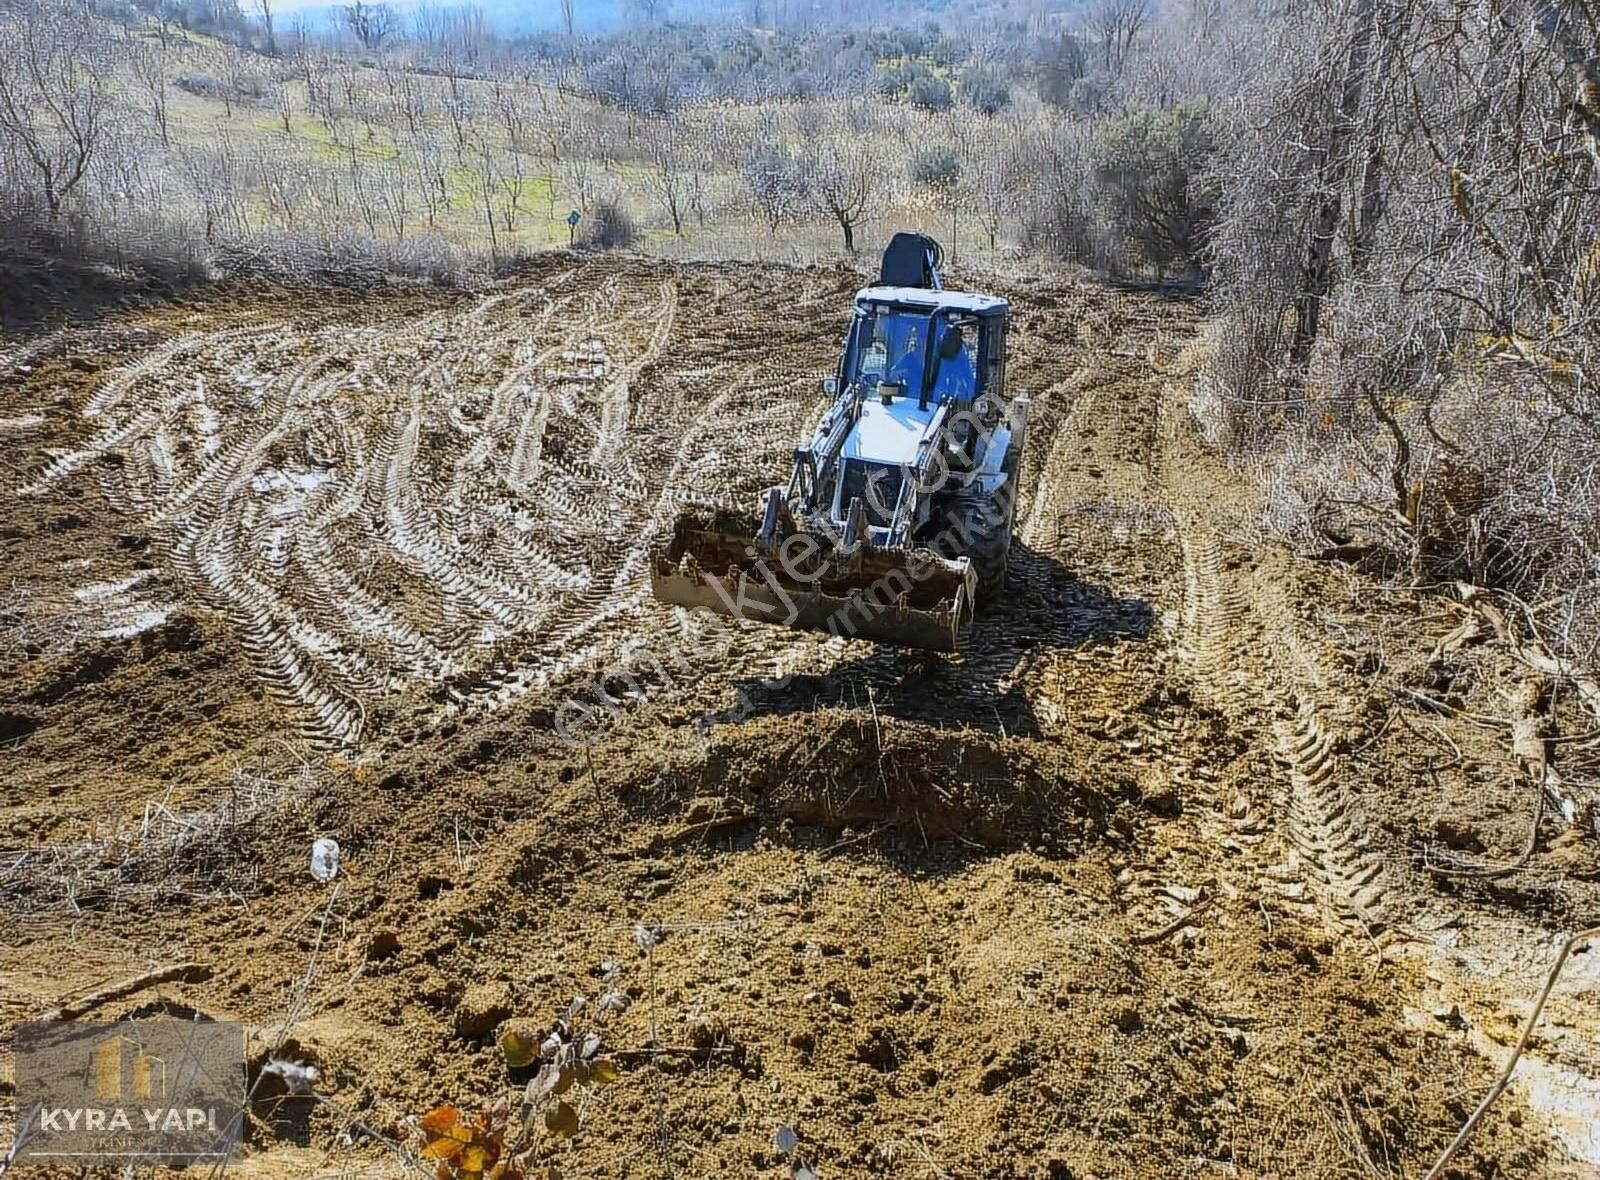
(1216, 625)
(1323, 828)
(381, 506)
(1329, 869)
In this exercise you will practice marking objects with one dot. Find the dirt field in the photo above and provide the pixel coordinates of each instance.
(1134, 887)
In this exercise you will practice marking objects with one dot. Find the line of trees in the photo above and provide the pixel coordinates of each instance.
(435, 124)
(1408, 197)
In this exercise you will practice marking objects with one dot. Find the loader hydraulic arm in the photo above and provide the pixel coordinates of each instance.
(815, 462)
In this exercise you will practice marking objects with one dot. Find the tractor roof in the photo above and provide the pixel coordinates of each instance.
(928, 300)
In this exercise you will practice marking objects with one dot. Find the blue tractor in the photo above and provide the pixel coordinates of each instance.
(896, 521)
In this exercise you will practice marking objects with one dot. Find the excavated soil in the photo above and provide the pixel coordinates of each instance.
(1137, 885)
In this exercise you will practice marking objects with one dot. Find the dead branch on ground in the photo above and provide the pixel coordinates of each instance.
(179, 972)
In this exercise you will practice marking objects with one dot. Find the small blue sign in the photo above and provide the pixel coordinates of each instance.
(573, 218)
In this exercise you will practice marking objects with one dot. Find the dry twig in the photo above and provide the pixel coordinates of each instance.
(180, 972)
(1173, 927)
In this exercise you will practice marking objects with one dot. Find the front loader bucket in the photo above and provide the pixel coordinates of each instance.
(907, 598)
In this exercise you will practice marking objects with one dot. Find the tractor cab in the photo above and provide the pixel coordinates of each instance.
(917, 364)
(928, 345)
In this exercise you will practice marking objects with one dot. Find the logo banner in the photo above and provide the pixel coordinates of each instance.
(163, 1090)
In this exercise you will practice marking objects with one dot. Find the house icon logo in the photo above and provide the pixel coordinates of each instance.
(123, 1071)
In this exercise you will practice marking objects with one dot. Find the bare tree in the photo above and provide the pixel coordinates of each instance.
(428, 26)
(845, 174)
(672, 176)
(1333, 164)
(264, 15)
(566, 18)
(283, 98)
(460, 111)
(317, 70)
(299, 36)
(1118, 23)
(370, 24)
(646, 12)
(578, 179)
(55, 97)
(510, 104)
(244, 81)
(216, 175)
(394, 197)
(467, 32)
(433, 177)
(486, 188)
(284, 189)
(149, 66)
(778, 183)
(991, 188)
(364, 186)
(509, 177)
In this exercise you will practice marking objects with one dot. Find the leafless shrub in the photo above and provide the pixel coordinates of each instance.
(777, 182)
(1151, 193)
(50, 266)
(149, 65)
(216, 174)
(349, 258)
(608, 226)
(168, 852)
(1059, 220)
(247, 89)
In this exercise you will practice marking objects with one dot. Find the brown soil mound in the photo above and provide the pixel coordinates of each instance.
(842, 768)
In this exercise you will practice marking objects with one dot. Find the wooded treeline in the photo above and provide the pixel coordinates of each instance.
(1407, 267)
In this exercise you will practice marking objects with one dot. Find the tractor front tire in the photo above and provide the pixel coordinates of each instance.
(983, 523)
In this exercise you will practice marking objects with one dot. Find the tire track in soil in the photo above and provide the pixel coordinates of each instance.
(1252, 659)
(1238, 651)
(1103, 473)
(460, 503)
(293, 470)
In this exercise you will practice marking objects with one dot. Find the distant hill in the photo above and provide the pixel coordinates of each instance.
(514, 17)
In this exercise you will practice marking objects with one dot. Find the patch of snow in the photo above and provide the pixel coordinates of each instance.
(280, 479)
(290, 486)
(277, 550)
(21, 423)
(1568, 1099)
(209, 426)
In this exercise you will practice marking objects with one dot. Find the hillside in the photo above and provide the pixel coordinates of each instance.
(368, 390)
